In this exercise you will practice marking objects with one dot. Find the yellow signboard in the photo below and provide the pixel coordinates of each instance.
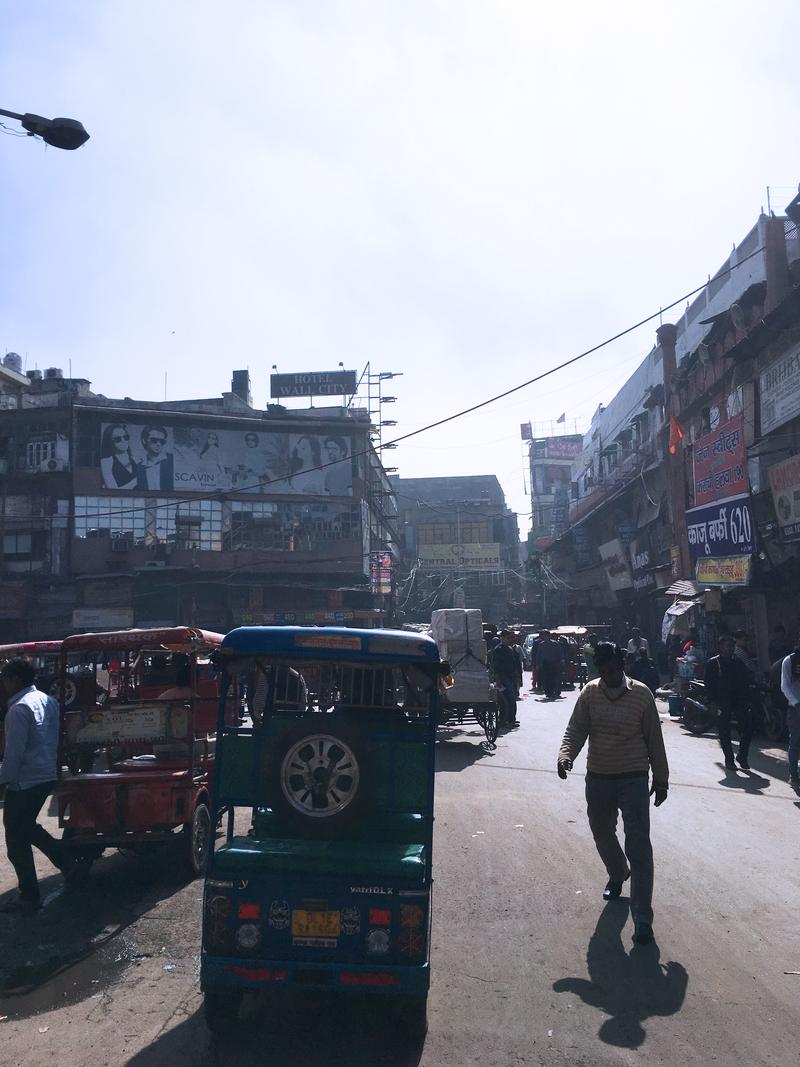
(723, 570)
(475, 557)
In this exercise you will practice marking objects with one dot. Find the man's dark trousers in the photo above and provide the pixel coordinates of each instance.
(507, 705)
(605, 798)
(744, 719)
(550, 679)
(20, 811)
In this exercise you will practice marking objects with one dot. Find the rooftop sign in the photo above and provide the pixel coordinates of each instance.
(312, 383)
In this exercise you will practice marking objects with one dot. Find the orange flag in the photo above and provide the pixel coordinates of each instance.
(675, 435)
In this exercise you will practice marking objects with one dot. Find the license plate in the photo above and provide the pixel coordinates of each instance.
(315, 924)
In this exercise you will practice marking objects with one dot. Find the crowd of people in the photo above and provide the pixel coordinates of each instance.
(552, 657)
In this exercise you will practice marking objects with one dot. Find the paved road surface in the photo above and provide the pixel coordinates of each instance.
(529, 965)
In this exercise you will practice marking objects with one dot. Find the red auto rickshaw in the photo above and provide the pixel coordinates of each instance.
(139, 753)
(45, 656)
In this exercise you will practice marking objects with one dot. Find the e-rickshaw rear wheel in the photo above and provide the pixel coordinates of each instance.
(221, 1009)
(197, 835)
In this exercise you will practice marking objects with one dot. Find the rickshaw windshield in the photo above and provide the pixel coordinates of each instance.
(275, 686)
(331, 669)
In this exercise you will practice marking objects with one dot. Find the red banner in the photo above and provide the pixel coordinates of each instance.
(720, 465)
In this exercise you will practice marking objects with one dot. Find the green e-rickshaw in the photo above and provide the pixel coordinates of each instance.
(324, 878)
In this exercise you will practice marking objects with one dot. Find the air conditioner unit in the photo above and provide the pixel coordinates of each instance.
(52, 464)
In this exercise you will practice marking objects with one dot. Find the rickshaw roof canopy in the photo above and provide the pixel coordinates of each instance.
(30, 648)
(329, 643)
(170, 639)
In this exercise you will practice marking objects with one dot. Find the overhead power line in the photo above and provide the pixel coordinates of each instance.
(225, 494)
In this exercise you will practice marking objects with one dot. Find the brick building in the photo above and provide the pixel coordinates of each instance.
(119, 512)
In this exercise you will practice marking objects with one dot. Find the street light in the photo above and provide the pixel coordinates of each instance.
(60, 133)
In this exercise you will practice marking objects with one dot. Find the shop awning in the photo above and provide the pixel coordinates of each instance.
(680, 607)
(685, 588)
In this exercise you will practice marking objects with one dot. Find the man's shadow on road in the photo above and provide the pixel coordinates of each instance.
(629, 988)
(747, 781)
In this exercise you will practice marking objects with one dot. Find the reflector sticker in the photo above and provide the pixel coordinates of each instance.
(279, 914)
(351, 920)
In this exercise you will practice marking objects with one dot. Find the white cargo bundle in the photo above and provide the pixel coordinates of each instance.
(457, 627)
(471, 687)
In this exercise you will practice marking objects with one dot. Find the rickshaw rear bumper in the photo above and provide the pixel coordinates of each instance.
(238, 973)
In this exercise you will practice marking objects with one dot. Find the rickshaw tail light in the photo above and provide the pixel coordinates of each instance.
(380, 917)
(349, 978)
(411, 916)
(257, 974)
(250, 911)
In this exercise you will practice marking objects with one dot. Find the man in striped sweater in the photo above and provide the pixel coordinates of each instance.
(619, 717)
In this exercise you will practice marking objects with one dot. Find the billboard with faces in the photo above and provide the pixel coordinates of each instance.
(166, 457)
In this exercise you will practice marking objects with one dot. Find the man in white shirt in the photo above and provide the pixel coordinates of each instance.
(27, 776)
(790, 687)
(636, 643)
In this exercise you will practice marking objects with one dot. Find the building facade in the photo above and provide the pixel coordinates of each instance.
(460, 547)
(685, 505)
(118, 513)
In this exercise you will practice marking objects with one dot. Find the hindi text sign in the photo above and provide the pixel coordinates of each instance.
(720, 466)
(784, 481)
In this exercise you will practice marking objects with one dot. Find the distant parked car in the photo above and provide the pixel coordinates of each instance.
(527, 651)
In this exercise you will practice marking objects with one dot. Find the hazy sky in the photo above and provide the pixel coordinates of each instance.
(467, 192)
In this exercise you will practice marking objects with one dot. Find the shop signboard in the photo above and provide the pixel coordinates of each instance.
(784, 481)
(641, 564)
(720, 464)
(297, 618)
(313, 383)
(723, 570)
(381, 572)
(102, 618)
(725, 528)
(675, 561)
(565, 447)
(779, 390)
(475, 557)
(615, 561)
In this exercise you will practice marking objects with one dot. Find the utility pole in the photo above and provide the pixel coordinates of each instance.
(666, 336)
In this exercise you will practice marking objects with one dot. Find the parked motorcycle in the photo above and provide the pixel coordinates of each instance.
(765, 704)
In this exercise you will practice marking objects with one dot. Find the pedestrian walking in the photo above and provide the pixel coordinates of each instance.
(520, 661)
(636, 644)
(779, 647)
(790, 687)
(728, 683)
(587, 651)
(549, 659)
(742, 652)
(618, 716)
(27, 776)
(643, 670)
(505, 671)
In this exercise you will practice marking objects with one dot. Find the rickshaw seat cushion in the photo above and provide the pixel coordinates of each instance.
(374, 859)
